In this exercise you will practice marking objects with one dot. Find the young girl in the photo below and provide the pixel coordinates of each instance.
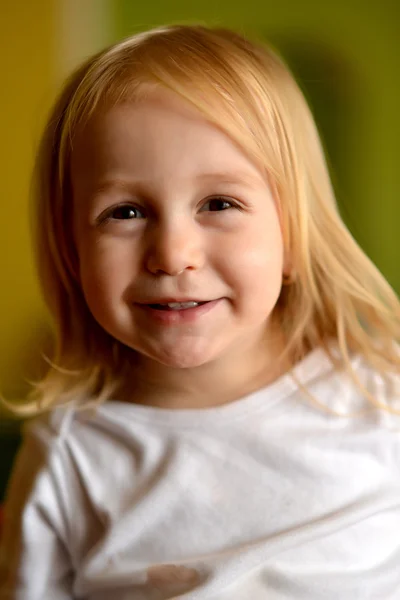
(221, 411)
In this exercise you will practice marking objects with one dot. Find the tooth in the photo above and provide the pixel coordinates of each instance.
(178, 305)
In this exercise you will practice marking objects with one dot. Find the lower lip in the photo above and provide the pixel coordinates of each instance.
(177, 317)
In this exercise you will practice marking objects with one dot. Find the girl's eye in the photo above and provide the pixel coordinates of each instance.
(124, 212)
(217, 204)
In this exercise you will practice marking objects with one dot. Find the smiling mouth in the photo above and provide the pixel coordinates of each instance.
(171, 306)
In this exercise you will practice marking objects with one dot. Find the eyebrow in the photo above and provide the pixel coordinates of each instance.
(229, 177)
(224, 177)
(106, 184)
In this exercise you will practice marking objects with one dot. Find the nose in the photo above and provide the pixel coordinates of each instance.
(174, 249)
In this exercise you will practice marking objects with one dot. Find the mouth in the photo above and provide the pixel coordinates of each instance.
(172, 312)
(171, 306)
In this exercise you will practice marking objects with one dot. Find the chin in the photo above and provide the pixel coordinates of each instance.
(185, 359)
(182, 362)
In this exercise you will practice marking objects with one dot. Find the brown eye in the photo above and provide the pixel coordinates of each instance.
(125, 212)
(217, 205)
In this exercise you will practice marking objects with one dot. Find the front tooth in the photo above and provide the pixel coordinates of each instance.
(178, 305)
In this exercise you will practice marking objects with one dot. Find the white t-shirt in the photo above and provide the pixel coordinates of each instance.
(268, 497)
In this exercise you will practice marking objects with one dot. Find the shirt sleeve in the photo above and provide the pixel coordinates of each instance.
(34, 560)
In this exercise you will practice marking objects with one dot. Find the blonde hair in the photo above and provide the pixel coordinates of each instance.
(245, 89)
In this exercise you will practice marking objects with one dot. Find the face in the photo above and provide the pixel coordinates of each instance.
(169, 213)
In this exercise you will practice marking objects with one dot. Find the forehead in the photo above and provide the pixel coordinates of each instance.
(161, 133)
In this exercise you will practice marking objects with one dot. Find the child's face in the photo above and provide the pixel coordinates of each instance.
(167, 208)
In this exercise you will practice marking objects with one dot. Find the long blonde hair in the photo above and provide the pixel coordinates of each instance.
(245, 89)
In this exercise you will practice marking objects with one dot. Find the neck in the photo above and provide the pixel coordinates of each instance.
(239, 372)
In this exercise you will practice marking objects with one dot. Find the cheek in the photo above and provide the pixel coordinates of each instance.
(103, 273)
(256, 257)
(256, 271)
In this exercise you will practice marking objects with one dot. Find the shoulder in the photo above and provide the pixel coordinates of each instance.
(99, 447)
(69, 465)
(76, 435)
(42, 437)
(354, 388)
(39, 453)
(381, 389)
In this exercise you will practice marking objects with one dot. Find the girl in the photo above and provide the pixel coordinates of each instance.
(225, 384)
